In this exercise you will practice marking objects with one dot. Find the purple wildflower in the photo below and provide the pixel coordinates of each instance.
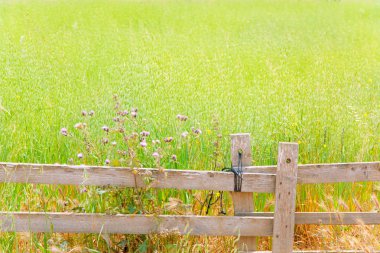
(84, 113)
(143, 143)
(80, 155)
(156, 155)
(168, 139)
(174, 158)
(106, 129)
(145, 133)
(182, 117)
(107, 161)
(64, 131)
(196, 131)
(184, 134)
(91, 113)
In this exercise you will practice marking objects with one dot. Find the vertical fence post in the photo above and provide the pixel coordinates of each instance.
(286, 182)
(243, 201)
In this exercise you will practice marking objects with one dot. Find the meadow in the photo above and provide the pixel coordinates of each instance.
(299, 71)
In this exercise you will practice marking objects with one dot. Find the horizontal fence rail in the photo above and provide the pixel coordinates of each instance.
(127, 177)
(327, 218)
(328, 173)
(256, 178)
(135, 224)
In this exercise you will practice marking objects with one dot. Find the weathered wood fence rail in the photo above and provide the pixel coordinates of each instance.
(246, 223)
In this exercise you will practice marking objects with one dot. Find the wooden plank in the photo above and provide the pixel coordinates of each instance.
(243, 201)
(329, 173)
(254, 180)
(134, 224)
(286, 182)
(327, 218)
(99, 175)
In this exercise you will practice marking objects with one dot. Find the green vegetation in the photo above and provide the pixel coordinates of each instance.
(302, 71)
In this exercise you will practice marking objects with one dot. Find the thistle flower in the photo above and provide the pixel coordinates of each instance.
(168, 139)
(144, 133)
(91, 113)
(64, 131)
(182, 117)
(196, 131)
(143, 143)
(105, 129)
(113, 143)
(156, 142)
(105, 140)
(134, 114)
(184, 134)
(156, 155)
(107, 161)
(174, 158)
(116, 119)
(84, 113)
(80, 155)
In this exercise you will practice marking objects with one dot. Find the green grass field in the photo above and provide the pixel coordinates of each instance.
(300, 71)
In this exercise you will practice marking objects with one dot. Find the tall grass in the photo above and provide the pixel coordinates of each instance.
(302, 71)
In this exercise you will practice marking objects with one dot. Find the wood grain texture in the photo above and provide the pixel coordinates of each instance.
(329, 173)
(286, 182)
(243, 201)
(127, 177)
(327, 218)
(134, 224)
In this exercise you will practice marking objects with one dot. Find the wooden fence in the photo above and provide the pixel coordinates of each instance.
(246, 223)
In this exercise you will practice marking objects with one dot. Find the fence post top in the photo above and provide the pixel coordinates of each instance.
(240, 134)
(288, 143)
